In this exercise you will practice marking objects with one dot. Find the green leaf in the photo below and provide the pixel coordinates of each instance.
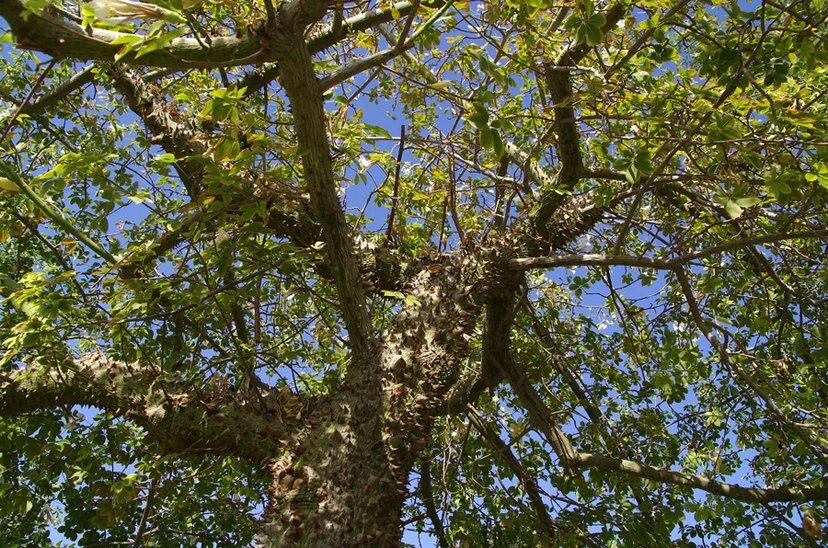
(631, 174)
(479, 116)
(777, 187)
(7, 185)
(733, 209)
(593, 32)
(747, 201)
(819, 173)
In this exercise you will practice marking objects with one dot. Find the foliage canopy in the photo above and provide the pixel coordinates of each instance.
(320, 272)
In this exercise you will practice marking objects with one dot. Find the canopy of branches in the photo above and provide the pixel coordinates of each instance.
(493, 273)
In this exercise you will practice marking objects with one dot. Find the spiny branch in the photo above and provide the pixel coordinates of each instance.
(176, 134)
(179, 418)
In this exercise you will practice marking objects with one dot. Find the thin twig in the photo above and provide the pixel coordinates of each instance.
(396, 195)
(142, 527)
(31, 93)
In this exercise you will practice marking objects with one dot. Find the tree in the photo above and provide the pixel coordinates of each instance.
(317, 272)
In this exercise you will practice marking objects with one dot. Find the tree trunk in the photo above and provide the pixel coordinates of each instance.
(343, 479)
(334, 486)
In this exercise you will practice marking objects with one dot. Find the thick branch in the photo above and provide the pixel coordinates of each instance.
(535, 173)
(306, 100)
(64, 39)
(181, 419)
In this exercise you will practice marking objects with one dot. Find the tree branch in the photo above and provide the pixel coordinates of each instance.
(530, 485)
(557, 74)
(181, 419)
(60, 92)
(589, 260)
(259, 78)
(736, 492)
(528, 263)
(558, 362)
(175, 134)
(359, 66)
(427, 496)
(306, 101)
(539, 414)
(535, 173)
(53, 214)
(819, 451)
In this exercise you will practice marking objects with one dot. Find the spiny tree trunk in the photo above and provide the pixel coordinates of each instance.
(343, 477)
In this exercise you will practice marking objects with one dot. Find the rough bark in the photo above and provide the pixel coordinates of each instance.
(342, 480)
(182, 419)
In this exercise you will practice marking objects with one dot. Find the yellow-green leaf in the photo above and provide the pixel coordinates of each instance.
(7, 185)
